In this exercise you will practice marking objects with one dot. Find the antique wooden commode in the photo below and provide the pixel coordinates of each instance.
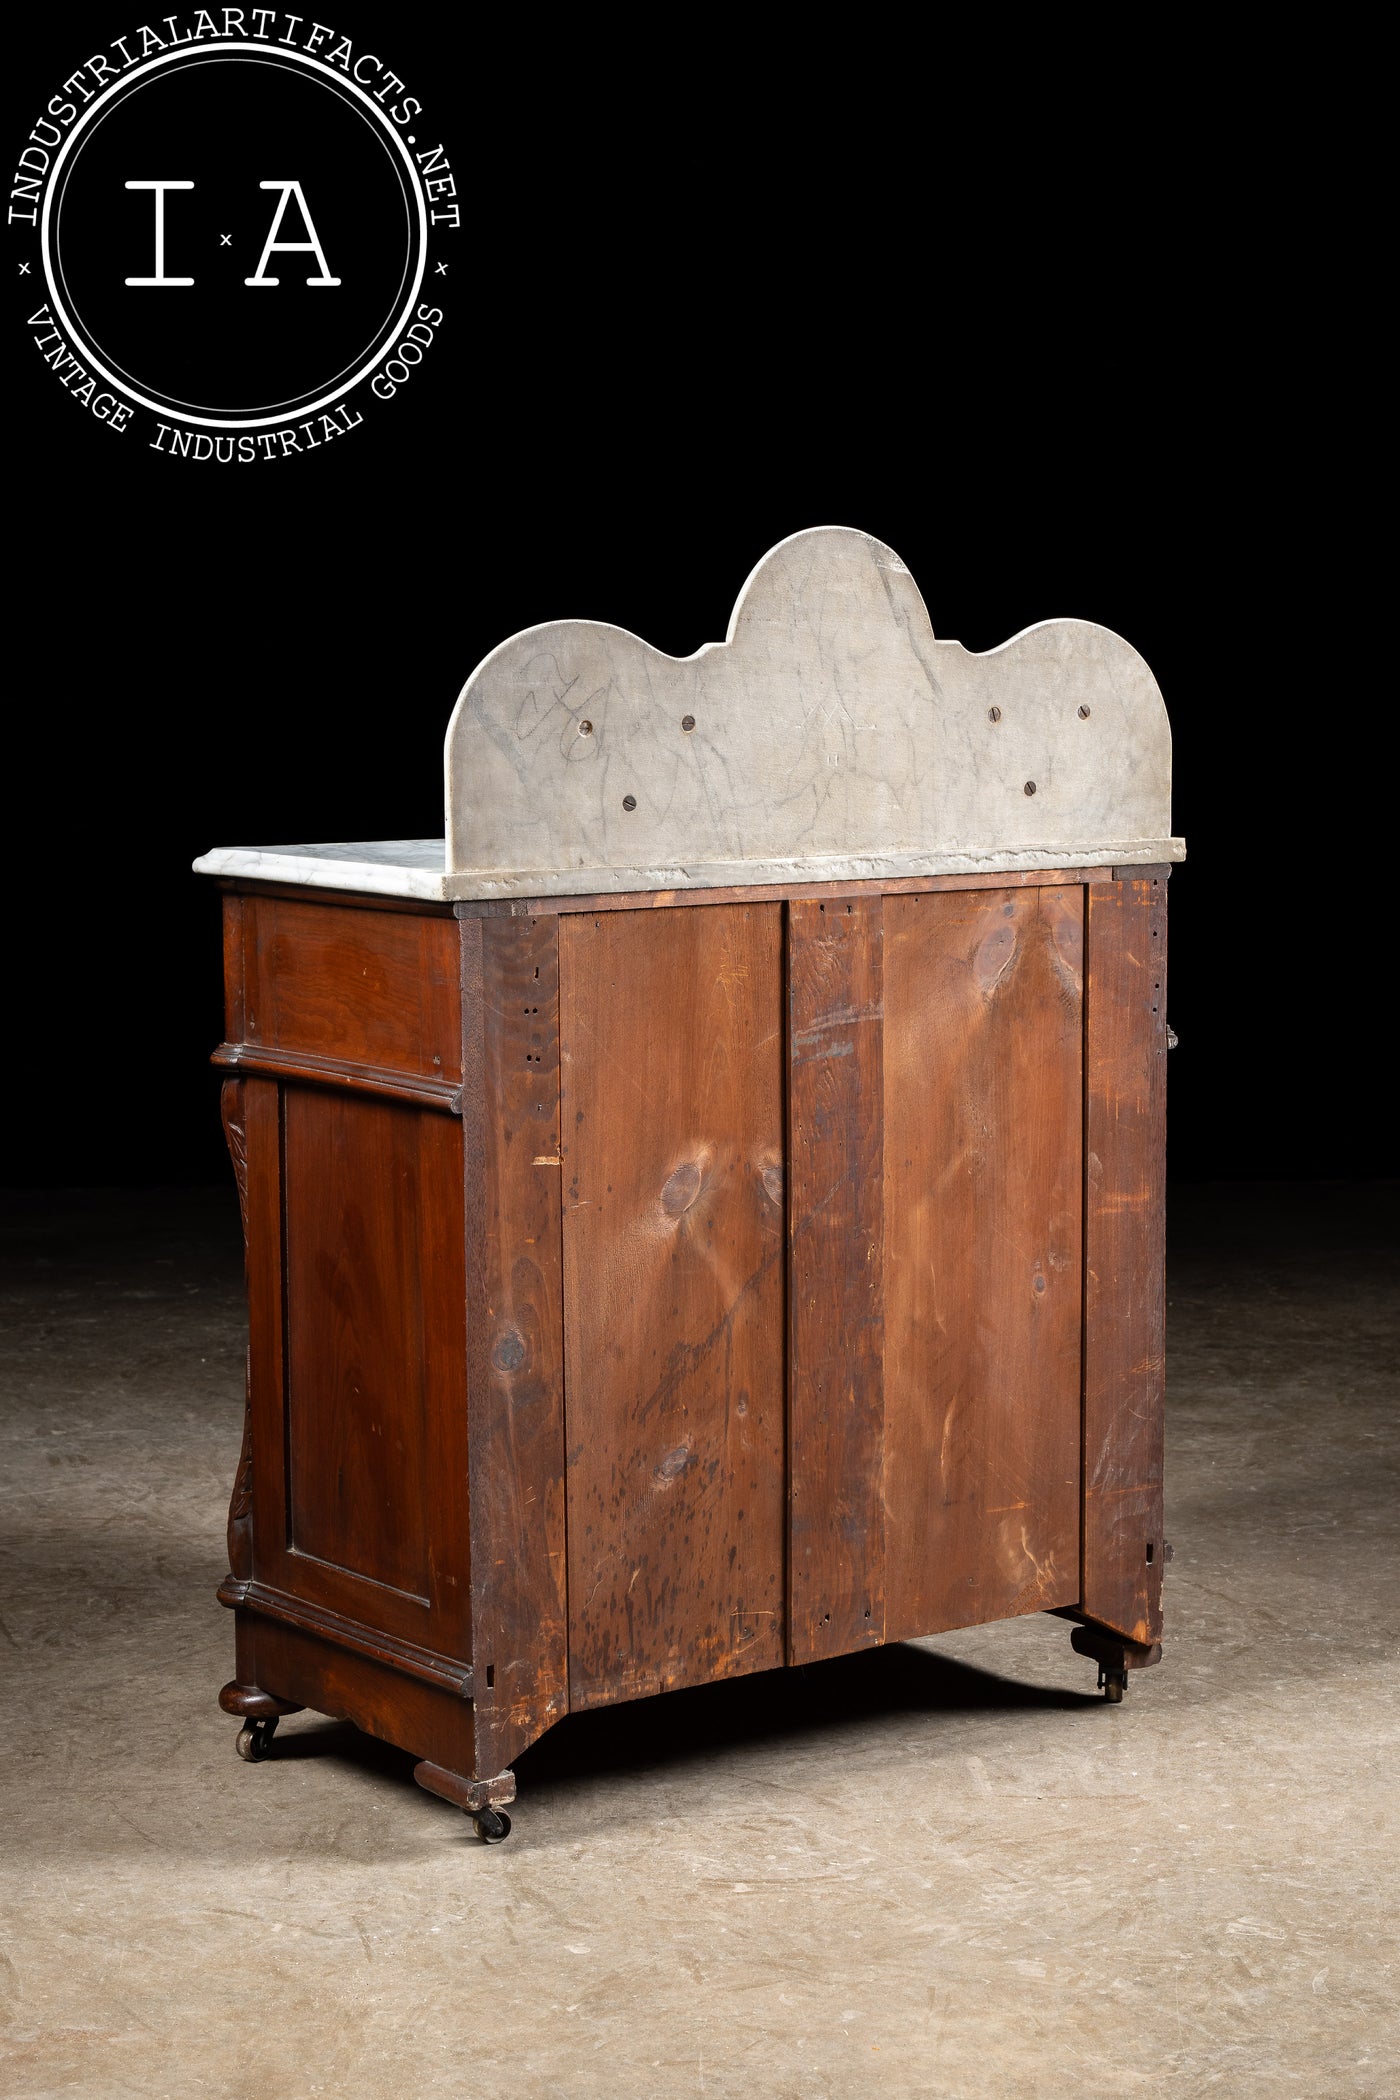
(707, 1212)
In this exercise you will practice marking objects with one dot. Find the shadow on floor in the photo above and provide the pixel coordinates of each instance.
(686, 1726)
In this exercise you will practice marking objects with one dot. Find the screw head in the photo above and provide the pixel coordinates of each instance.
(629, 802)
(687, 723)
(1030, 787)
(1083, 714)
(585, 729)
(993, 714)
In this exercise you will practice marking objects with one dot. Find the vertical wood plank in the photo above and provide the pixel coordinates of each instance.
(983, 1201)
(836, 1293)
(672, 1125)
(267, 1483)
(240, 1505)
(233, 969)
(1124, 1293)
(510, 1003)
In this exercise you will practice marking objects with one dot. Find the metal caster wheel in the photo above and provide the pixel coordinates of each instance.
(492, 1825)
(1113, 1684)
(255, 1741)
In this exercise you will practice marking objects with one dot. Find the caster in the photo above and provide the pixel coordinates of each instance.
(492, 1825)
(255, 1741)
(1113, 1684)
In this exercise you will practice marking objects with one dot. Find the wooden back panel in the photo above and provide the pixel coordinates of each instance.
(983, 1186)
(672, 1140)
(704, 1444)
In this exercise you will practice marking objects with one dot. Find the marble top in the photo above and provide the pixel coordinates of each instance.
(418, 868)
(829, 737)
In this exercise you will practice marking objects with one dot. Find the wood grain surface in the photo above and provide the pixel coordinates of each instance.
(836, 1297)
(360, 1459)
(1125, 1244)
(983, 1166)
(771, 892)
(515, 1328)
(240, 1505)
(672, 1137)
(368, 989)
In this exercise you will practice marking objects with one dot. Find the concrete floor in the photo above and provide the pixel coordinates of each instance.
(944, 1869)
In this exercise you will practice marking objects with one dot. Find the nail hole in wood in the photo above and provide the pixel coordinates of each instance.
(1149, 1553)
(490, 1677)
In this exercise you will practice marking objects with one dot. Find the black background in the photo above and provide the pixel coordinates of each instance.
(1027, 313)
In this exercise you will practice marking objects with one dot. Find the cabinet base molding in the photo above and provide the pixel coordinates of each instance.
(422, 1663)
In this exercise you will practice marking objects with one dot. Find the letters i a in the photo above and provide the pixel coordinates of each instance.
(271, 247)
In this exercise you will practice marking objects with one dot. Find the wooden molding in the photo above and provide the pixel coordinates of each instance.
(775, 892)
(395, 1654)
(337, 1072)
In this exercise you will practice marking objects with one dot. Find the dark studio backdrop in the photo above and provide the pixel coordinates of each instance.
(686, 316)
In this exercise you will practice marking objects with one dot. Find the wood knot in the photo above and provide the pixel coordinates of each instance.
(510, 1351)
(673, 1463)
(681, 1189)
(994, 956)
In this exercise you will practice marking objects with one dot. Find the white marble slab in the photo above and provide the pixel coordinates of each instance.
(417, 868)
(829, 738)
(385, 867)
